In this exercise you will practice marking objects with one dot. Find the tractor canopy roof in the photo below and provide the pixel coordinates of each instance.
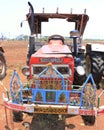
(35, 20)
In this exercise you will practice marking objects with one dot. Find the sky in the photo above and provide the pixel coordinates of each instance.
(12, 12)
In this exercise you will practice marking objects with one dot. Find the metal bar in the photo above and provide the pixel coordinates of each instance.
(20, 83)
(98, 102)
(6, 117)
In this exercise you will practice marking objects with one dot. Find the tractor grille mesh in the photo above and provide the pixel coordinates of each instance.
(51, 83)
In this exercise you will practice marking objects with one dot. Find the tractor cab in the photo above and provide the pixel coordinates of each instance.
(55, 50)
(35, 21)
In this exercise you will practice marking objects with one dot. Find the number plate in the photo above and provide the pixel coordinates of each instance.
(50, 110)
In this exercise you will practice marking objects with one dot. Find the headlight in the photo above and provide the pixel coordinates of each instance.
(25, 70)
(80, 70)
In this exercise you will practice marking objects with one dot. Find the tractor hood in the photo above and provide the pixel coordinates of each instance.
(53, 49)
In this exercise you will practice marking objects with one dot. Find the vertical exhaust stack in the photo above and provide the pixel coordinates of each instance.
(74, 34)
(31, 15)
(31, 48)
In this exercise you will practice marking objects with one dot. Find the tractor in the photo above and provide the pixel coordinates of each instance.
(61, 78)
(88, 56)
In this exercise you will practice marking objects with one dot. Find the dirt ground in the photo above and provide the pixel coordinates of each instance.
(15, 55)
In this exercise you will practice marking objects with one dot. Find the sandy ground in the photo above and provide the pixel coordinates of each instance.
(15, 55)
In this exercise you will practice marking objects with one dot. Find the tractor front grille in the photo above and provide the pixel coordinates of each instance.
(51, 83)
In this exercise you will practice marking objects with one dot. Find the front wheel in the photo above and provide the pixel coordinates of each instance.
(2, 66)
(88, 120)
(80, 76)
(17, 116)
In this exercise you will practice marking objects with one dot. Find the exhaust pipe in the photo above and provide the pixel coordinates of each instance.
(31, 48)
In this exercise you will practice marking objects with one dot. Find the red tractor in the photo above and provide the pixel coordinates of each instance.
(78, 63)
(88, 58)
(57, 81)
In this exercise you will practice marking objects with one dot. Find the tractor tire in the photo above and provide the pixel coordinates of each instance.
(2, 66)
(95, 66)
(80, 79)
(47, 122)
(88, 120)
(17, 116)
